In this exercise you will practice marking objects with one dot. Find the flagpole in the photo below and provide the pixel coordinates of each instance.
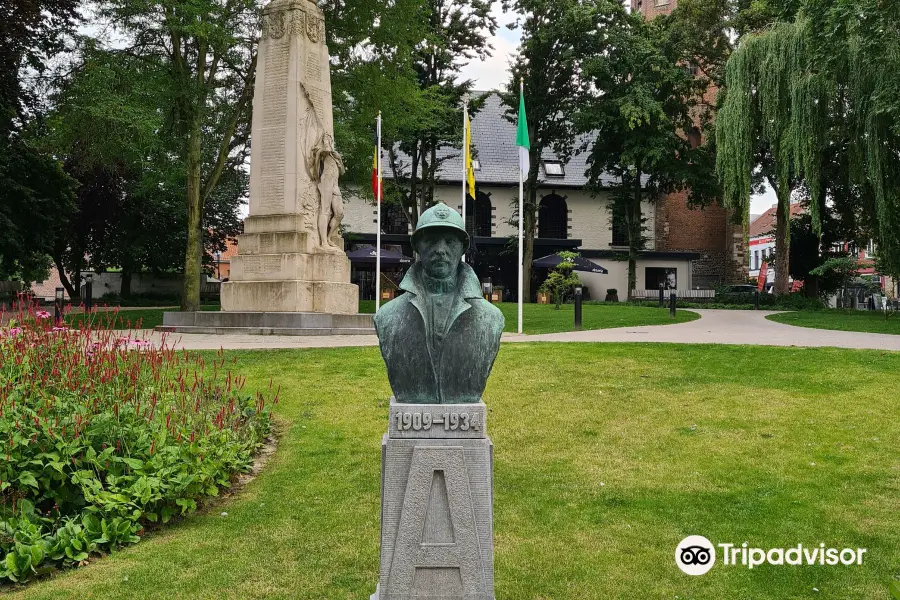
(465, 174)
(521, 219)
(378, 227)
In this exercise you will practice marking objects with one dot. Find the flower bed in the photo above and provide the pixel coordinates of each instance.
(103, 435)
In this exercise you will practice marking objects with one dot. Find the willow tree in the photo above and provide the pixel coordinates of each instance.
(857, 43)
(797, 93)
(775, 104)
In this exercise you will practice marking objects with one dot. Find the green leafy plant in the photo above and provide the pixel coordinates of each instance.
(103, 435)
(561, 281)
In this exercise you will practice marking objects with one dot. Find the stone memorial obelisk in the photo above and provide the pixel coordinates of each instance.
(439, 341)
(291, 256)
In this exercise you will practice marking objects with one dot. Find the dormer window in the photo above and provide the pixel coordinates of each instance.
(476, 164)
(554, 169)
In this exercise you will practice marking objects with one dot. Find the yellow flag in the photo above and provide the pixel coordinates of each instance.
(470, 169)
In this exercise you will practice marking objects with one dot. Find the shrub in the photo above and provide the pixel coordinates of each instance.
(561, 281)
(798, 301)
(104, 435)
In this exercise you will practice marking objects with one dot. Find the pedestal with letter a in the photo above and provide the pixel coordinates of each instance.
(437, 538)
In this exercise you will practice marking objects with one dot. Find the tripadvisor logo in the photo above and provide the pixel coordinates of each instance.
(696, 555)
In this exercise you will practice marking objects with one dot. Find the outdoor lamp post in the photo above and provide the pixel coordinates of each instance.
(673, 300)
(578, 297)
(88, 294)
(57, 309)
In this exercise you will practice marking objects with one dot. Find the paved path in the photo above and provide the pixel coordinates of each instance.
(728, 327)
(715, 327)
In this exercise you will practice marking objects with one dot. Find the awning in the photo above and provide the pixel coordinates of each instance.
(366, 254)
(581, 264)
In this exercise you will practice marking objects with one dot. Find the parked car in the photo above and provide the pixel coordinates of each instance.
(740, 289)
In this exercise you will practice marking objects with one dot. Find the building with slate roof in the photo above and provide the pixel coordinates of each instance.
(569, 218)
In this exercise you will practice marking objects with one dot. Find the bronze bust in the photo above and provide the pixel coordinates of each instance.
(440, 338)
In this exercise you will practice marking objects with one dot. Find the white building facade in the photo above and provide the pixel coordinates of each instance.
(569, 218)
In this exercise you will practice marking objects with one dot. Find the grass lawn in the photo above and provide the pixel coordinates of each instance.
(539, 318)
(544, 318)
(139, 318)
(606, 456)
(841, 320)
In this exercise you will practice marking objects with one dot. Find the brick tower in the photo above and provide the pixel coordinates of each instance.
(708, 231)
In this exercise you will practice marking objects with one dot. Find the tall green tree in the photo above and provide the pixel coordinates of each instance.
(109, 127)
(854, 50)
(374, 47)
(709, 31)
(36, 197)
(640, 111)
(450, 33)
(558, 37)
(761, 110)
(207, 49)
(35, 193)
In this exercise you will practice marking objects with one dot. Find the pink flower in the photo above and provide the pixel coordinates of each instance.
(42, 314)
(13, 331)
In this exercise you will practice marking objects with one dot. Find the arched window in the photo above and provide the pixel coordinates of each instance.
(553, 218)
(695, 138)
(393, 219)
(483, 215)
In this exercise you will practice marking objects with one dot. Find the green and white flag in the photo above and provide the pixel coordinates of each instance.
(522, 140)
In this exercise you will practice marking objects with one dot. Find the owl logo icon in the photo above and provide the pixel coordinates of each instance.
(695, 555)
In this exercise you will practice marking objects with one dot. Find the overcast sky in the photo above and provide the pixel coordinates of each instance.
(493, 73)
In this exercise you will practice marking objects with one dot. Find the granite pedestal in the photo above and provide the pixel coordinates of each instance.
(437, 539)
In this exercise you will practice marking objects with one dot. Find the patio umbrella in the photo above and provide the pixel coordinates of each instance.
(581, 264)
(366, 254)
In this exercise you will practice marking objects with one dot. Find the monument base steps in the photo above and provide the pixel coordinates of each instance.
(290, 296)
(279, 242)
(274, 323)
(290, 267)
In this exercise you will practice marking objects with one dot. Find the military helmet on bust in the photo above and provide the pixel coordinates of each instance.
(441, 215)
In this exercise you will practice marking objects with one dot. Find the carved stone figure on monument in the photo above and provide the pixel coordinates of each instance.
(439, 340)
(327, 167)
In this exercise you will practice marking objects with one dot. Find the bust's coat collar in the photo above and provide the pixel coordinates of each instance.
(467, 284)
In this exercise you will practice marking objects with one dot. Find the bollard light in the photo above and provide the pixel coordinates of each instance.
(673, 299)
(88, 293)
(60, 298)
(578, 298)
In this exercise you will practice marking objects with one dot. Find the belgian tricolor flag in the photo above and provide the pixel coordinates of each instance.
(377, 190)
